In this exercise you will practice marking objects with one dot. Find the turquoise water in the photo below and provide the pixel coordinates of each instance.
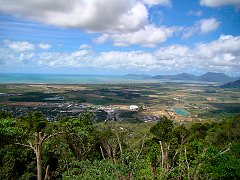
(66, 79)
(181, 112)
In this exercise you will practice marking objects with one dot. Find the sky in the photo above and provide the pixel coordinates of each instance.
(114, 37)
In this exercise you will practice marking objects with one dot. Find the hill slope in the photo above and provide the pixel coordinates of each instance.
(208, 77)
(182, 76)
(215, 77)
(138, 76)
(235, 84)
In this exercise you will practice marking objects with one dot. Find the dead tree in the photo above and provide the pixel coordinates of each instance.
(36, 146)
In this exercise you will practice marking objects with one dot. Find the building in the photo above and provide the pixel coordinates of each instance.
(133, 107)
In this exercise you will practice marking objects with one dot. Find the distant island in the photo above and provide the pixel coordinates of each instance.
(207, 77)
(138, 76)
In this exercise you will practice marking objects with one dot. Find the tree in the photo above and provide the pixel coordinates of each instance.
(36, 146)
(163, 129)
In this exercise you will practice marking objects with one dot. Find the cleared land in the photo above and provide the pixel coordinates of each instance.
(154, 100)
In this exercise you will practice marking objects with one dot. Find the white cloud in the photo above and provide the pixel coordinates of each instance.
(218, 3)
(101, 39)
(149, 36)
(79, 58)
(158, 2)
(105, 60)
(225, 44)
(25, 56)
(190, 31)
(19, 46)
(85, 46)
(126, 60)
(221, 55)
(203, 26)
(89, 15)
(44, 46)
(174, 57)
(195, 13)
(208, 25)
(172, 52)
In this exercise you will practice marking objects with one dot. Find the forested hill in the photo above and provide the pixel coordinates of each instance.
(235, 84)
(77, 148)
(207, 77)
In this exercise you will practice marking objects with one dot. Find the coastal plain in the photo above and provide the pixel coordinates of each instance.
(182, 102)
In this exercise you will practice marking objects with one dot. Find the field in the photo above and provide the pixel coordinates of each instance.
(112, 101)
(114, 131)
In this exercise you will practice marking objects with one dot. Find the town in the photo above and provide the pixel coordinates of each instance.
(120, 102)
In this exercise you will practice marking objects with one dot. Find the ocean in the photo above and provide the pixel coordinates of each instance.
(17, 78)
(68, 79)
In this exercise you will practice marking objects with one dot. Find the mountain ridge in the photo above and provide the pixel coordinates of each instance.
(234, 84)
(207, 77)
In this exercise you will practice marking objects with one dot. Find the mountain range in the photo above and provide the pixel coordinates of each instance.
(207, 77)
(234, 84)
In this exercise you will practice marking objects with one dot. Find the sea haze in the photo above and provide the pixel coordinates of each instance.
(68, 79)
(19, 78)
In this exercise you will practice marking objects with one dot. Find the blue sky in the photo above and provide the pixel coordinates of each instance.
(120, 37)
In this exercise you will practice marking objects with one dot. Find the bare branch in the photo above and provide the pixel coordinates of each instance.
(119, 143)
(175, 154)
(222, 152)
(187, 162)
(46, 173)
(203, 153)
(48, 137)
(31, 145)
(141, 147)
(43, 138)
(25, 145)
(102, 152)
(162, 152)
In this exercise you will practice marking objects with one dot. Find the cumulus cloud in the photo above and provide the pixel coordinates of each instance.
(158, 2)
(134, 60)
(104, 60)
(79, 58)
(221, 55)
(16, 58)
(203, 26)
(218, 3)
(208, 25)
(94, 15)
(226, 44)
(149, 36)
(19, 46)
(172, 52)
(44, 46)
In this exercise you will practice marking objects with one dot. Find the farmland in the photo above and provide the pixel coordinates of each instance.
(199, 101)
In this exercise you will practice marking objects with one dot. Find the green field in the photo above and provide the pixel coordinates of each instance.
(201, 101)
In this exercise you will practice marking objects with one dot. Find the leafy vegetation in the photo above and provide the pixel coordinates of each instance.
(77, 148)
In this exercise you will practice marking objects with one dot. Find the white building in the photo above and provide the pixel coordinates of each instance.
(133, 107)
